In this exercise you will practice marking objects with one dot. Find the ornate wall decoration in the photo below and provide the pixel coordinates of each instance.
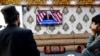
(52, 28)
(74, 20)
(72, 32)
(79, 27)
(37, 8)
(24, 9)
(92, 10)
(86, 32)
(51, 8)
(11, 2)
(79, 10)
(37, 28)
(30, 19)
(58, 32)
(85, 18)
(28, 8)
(45, 33)
(65, 10)
(65, 27)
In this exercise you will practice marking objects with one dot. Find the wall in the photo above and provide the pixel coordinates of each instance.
(76, 19)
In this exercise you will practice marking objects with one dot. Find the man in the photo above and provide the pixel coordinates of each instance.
(93, 45)
(16, 41)
(48, 16)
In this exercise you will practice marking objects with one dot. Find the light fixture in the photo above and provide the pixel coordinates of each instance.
(23, 2)
(73, 2)
(49, 2)
(97, 2)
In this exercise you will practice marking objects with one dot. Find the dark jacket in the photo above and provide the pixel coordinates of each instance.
(46, 18)
(15, 41)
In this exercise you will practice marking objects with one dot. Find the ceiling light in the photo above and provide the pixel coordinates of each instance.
(49, 2)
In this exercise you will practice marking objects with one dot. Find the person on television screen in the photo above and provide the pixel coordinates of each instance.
(16, 41)
(48, 16)
(93, 45)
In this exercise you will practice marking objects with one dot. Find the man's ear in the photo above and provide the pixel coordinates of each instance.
(99, 24)
(18, 17)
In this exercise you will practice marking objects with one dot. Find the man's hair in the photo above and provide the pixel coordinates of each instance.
(96, 19)
(10, 13)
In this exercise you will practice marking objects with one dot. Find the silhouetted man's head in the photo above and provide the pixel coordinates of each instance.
(10, 14)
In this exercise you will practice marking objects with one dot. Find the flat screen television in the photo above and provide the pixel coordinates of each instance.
(49, 17)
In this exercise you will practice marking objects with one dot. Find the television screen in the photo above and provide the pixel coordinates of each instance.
(49, 17)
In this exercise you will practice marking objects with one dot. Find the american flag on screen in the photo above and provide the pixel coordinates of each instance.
(56, 14)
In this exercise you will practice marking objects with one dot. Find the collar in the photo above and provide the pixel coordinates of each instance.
(98, 33)
(11, 25)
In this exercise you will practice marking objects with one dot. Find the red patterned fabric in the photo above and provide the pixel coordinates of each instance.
(54, 49)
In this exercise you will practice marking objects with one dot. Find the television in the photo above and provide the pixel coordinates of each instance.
(49, 17)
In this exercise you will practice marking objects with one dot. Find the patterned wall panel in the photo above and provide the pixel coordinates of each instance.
(75, 19)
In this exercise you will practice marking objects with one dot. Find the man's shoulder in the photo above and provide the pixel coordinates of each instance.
(21, 32)
(23, 29)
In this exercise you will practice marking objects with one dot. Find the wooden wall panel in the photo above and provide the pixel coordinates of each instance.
(69, 41)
